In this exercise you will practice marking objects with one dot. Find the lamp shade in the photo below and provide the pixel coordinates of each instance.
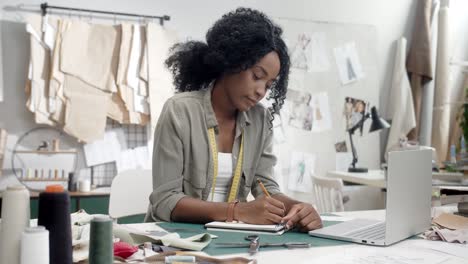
(377, 122)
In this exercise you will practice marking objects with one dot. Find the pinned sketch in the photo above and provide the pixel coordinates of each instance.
(320, 112)
(349, 66)
(343, 161)
(308, 53)
(341, 146)
(279, 135)
(300, 172)
(137, 158)
(354, 111)
(107, 149)
(300, 112)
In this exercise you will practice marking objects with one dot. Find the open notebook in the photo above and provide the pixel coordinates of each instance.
(278, 229)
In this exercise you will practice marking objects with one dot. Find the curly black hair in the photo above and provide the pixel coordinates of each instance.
(234, 43)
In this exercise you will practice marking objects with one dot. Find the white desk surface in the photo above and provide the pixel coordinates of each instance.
(430, 250)
(376, 178)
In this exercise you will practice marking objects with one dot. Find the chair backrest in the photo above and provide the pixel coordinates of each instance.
(130, 191)
(328, 194)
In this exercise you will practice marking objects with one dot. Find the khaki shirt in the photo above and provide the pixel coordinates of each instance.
(182, 158)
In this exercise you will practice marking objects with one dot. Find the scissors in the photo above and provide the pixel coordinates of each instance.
(254, 243)
(288, 245)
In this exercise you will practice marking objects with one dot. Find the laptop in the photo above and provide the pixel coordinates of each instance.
(408, 204)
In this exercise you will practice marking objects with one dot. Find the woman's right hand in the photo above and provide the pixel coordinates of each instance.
(261, 211)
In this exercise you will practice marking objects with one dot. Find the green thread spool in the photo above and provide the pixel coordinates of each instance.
(100, 242)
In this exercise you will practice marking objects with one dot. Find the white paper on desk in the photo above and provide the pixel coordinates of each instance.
(320, 112)
(454, 249)
(302, 167)
(343, 160)
(347, 61)
(136, 158)
(390, 255)
(106, 149)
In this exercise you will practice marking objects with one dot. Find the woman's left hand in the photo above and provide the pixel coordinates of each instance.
(303, 216)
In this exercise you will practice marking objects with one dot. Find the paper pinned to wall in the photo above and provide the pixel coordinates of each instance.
(136, 158)
(349, 66)
(106, 149)
(309, 53)
(302, 167)
(300, 112)
(320, 112)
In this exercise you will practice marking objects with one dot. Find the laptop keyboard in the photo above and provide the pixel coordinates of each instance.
(375, 232)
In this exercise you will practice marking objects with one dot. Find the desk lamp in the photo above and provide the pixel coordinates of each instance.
(377, 124)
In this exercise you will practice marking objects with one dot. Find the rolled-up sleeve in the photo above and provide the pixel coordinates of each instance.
(167, 165)
(264, 170)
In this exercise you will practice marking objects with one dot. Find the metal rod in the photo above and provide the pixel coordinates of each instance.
(45, 6)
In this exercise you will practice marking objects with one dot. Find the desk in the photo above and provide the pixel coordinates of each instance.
(376, 178)
(457, 253)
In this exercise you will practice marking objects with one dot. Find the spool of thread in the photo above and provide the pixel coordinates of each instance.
(35, 245)
(71, 182)
(54, 215)
(15, 218)
(100, 241)
(84, 186)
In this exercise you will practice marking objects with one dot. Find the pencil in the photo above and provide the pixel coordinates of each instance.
(263, 188)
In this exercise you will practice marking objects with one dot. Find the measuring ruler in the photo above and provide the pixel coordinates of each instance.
(237, 172)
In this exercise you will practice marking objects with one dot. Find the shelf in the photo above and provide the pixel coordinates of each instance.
(47, 152)
(44, 180)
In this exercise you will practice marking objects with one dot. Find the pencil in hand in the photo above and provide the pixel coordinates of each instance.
(263, 188)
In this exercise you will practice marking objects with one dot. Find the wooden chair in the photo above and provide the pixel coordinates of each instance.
(328, 194)
(129, 195)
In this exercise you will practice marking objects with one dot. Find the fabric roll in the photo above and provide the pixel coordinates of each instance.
(15, 219)
(160, 86)
(35, 246)
(419, 64)
(427, 101)
(441, 120)
(91, 53)
(401, 107)
(100, 241)
(54, 215)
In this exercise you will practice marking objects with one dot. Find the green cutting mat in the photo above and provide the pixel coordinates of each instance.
(187, 230)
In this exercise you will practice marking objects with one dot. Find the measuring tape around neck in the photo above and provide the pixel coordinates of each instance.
(237, 172)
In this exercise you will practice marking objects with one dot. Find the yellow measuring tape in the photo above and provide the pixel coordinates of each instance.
(237, 172)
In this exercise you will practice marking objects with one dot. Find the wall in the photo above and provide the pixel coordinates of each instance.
(191, 19)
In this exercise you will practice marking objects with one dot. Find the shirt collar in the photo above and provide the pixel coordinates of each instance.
(243, 118)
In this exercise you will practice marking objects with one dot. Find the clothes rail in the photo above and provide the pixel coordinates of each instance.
(45, 6)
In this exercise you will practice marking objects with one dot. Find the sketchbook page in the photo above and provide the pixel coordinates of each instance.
(277, 233)
(244, 226)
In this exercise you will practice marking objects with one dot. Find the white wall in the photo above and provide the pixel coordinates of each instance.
(392, 18)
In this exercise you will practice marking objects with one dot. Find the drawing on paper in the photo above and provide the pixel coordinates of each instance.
(321, 112)
(300, 113)
(309, 53)
(347, 61)
(302, 167)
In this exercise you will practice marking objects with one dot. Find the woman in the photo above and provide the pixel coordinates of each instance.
(214, 127)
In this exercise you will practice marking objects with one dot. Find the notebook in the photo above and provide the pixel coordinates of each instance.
(278, 229)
